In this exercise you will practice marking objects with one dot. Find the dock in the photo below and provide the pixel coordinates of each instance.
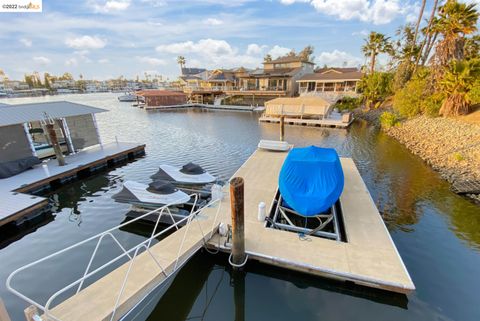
(333, 121)
(15, 200)
(368, 257)
(206, 106)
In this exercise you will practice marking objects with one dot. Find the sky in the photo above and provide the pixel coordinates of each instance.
(103, 39)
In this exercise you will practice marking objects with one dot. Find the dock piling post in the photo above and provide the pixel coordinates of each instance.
(238, 222)
(56, 146)
(30, 313)
(282, 128)
(3, 312)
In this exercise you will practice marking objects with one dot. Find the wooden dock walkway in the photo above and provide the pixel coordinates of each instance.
(369, 257)
(334, 122)
(15, 203)
(206, 106)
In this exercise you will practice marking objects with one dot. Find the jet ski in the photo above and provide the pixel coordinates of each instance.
(151, 196)
(189, 174)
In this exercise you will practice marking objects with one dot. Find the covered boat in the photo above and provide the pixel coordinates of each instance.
(311, 180)
(189, 174)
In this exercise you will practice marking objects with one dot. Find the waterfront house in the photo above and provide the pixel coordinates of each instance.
(158, 98)
(278, 77)
(336, 81)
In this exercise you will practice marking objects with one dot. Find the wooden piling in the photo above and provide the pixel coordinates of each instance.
(238, 220)
(282, 128)
(56, 146)
(3, 312)
(30, 312)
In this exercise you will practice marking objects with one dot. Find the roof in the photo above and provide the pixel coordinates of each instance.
(156, 92)
(298, 101)
(190, 77)
(336, 69)
(356, 75)
(275, 72)
(22, 113)
(287, 59)
(192, 71)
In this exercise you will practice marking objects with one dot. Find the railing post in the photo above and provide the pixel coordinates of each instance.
(282, 128)
(238, 221)
(3, 312)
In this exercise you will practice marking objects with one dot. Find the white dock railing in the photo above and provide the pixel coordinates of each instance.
(131, 254)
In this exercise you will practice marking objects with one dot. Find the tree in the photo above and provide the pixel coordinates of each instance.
(66, 76)
(405, 54)
(376, 43)
(29, 81)
(455, 21)
(419, 20)
(181, 61)
(472, 47)
(292, 53)
(457, 82)
(267, 58)
(306, 53)
(46, 80)
(429, 38)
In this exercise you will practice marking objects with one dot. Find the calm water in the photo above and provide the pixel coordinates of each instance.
(436, 232)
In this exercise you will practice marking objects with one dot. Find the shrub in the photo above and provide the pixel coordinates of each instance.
(408, 100)
(375, 88)
(388, 119)
(458, 157)
(474, 93)
(431, 104)
(347, 104)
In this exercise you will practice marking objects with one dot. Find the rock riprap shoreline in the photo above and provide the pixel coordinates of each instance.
(450, 146)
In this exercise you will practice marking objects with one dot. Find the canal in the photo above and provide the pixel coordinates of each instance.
(436, 232)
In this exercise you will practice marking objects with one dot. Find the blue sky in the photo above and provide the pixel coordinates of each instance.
(108, 38)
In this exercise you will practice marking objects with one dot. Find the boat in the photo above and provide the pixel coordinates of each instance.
(151, 196)
(311, 180)
(128, 97)
(188, 174)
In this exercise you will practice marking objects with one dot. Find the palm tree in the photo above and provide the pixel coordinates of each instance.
(181, 61)
(455, 21)
(457, 82)
(376, 43)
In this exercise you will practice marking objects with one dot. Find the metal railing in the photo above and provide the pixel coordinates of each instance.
(131, 254)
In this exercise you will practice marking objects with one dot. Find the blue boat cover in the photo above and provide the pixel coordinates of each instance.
(311, 180)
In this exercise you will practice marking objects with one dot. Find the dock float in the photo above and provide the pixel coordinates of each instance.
(15, 200)
(325, 122)
(367, 257)
(205, 106)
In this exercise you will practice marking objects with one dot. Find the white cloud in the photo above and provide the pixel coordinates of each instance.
(254, 49)
(103, 61)
(85, 42)
(209, 46)
(278, 51)
(363, 33)
(337, 58)
(152, 61)
(26, 42)
(41, 60)
(374, 11)
(108, 6)
(155, 3)
(71, 62)
(213, 22)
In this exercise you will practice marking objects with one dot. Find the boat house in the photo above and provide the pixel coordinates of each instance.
(23, 140)
(43, 145)
(302, 107)
(158, 98)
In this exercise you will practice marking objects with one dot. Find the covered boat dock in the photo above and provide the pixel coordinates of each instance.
(27, 163)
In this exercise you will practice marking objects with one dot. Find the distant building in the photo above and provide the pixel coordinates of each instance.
(157, 98)
(331, 80)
